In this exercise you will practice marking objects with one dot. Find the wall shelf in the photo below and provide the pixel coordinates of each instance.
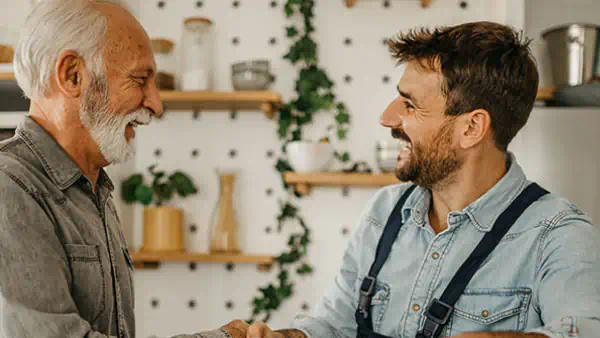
(7, 76)
(351, 3)
(304, 182)
(266, 101)
(152, 260)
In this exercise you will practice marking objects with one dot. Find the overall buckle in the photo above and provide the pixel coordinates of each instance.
(437, 315)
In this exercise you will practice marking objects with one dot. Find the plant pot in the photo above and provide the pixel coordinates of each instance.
(305, 156)
(163, 229)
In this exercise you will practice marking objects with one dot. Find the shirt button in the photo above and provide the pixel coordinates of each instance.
(435, 255)
(484, 313)
(416, 307)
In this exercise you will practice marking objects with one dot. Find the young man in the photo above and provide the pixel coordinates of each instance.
(465, 93)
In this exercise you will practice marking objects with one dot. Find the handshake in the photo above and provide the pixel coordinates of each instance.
(241, 329)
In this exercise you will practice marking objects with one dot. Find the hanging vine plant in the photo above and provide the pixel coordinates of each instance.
(314, 94)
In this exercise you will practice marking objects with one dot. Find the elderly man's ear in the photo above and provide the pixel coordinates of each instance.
(71, 71)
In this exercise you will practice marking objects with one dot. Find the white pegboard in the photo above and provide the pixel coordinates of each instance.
(352, 51)
(562, 158)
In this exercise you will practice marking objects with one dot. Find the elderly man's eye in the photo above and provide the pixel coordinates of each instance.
(141, 79)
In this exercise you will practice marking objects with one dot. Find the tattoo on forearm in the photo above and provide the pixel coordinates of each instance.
(291, 333)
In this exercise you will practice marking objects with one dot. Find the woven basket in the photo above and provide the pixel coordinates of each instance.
(6, 54)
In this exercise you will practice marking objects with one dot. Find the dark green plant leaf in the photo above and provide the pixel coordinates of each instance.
(342, 117)
(304, 269)
(283, 166)
(341, 133)
(291, 31)
(129, 186)
(182, 184)
(143, 193)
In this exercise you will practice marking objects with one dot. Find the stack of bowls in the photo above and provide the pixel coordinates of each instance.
(251, 75)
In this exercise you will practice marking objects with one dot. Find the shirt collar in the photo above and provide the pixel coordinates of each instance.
(59, 166)
(484, 211)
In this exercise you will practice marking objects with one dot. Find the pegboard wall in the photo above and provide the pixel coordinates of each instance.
(181, 298)
(557, 148)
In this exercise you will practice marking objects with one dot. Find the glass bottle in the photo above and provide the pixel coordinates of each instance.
(224, 225)
(197, 53)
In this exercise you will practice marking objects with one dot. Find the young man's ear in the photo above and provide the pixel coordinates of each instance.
(475, 127)
(69, 73)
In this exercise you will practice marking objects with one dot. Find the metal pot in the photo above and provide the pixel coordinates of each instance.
(574, 53)
(386, 155)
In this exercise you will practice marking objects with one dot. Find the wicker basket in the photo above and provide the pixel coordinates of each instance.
(6, 54)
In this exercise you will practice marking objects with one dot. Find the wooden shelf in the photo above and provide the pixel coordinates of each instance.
(266, 101)
(152, 260)
(304, 182)
(7, 76)
(351, 3)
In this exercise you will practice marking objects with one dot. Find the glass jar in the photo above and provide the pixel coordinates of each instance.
(165, 63)
(197, 47)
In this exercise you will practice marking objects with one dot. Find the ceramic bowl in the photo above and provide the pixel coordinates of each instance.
(305, 156)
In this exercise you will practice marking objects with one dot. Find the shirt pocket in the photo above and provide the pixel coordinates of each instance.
(88, 287)
(491, 310)
(379, 302)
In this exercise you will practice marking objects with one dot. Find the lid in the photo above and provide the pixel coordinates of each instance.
(162, 46)
(567, 26)
(197, 20)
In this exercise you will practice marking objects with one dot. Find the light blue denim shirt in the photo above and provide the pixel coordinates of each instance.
(544, 276)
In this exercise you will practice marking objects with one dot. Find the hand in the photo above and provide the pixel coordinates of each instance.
(261, 330)
(236, 328)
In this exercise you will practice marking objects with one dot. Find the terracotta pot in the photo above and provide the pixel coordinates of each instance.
(163, 229)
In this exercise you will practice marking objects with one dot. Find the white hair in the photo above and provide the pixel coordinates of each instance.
(52, 27)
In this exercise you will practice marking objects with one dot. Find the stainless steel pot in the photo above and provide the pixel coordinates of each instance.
(574, 53)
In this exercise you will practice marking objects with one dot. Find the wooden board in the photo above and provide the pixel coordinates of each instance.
(7, 76)
(342, 179)
(266, 101)
(152, 258)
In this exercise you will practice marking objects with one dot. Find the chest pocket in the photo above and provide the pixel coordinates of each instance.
(88, 287)
(379, 302)
(490, 310)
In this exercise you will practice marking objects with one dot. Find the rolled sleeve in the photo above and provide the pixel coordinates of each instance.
(568, 295)
(35, 299)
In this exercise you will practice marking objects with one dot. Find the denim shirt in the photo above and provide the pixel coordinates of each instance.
(542, 277)
(64, 266)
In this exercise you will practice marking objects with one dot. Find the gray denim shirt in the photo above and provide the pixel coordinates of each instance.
(64, 266)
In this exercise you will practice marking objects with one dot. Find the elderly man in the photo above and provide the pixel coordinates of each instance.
(469, 248)
(88, 68)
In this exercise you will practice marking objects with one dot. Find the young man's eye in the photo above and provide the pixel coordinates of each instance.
(141, 79)
(408, 105)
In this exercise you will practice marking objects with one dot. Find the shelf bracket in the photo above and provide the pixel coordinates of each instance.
(303, 189)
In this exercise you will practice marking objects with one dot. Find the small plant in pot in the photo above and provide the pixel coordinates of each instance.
(163, 224)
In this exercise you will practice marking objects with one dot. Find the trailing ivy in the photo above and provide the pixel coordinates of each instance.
(314, 94)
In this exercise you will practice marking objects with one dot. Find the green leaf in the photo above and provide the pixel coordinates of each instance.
(291, 31)
(343, 157)
(182, 184)
(297, 134)
(143, 193)
(304, 269)
(342, 117)
(283, 166)
(341, 133)
(129, 186)
(288, 9)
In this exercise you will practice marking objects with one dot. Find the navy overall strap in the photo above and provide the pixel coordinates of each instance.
(438, 311)
(367, 288)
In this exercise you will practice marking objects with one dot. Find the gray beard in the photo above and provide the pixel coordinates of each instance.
(106, 128)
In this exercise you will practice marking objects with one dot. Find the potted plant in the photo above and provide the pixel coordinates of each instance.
(163, 224)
